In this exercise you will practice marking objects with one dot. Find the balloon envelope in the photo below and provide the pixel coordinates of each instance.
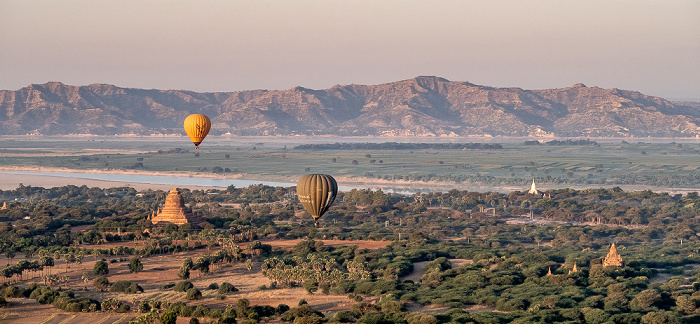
(197, 127)
(316, 193)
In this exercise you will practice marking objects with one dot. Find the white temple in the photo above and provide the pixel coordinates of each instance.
(533, 189)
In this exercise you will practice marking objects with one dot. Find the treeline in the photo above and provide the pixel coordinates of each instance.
(399, 146)
(569, 178)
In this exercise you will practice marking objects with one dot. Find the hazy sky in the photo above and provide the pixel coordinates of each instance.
(649, 46)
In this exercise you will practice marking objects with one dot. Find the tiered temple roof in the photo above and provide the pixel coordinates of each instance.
(175, 211)
(613, 258)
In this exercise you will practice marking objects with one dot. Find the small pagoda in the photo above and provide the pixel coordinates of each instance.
(533, 189)
(174, 211)
(4, 206)
(574, 269)
(613, 258)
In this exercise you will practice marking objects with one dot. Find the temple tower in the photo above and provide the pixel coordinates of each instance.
(574, 269)
(175, 211)
(613, 258)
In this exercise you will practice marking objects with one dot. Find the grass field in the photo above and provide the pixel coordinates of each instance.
(643, 164)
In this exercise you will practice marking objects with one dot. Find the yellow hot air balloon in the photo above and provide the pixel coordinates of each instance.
(197, 127)
(316, 193)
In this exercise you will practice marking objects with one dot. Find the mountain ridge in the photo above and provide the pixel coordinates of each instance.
(421, 106)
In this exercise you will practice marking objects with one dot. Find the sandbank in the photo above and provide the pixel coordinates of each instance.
(12, 181)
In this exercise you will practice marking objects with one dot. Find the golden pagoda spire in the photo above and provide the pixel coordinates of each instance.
(574, 269)
(613, 258)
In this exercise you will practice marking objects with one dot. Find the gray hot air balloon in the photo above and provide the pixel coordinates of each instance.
(316, 193)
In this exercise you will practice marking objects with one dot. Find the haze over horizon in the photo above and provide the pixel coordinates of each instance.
(647, 46)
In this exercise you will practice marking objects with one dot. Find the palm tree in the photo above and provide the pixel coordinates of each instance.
(95, 253)
(47, 261)
(69, 258)
(56, 256)
(10, 254)
(79, 257)
(28, 253)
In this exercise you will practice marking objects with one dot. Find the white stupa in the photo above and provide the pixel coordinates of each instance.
(533, 189)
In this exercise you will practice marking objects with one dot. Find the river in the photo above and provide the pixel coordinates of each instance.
(185, 181)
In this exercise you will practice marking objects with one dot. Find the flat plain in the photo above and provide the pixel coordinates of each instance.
(660, 165)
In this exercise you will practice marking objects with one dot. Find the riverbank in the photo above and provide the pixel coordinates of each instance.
(141, 180)
(12, 176)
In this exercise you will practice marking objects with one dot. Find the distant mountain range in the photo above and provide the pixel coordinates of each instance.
(423, 106)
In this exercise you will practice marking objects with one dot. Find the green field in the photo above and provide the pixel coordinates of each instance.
(666, 165)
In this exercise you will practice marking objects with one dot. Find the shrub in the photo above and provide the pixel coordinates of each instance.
(392, 307)
(144, 307)
(440, 264)
(194, 294)
(13, 292)
(101, 268)
(134, 288)
(168, 317)
(213, 286)
(114, 305)
(101, 283)
(183, 286)
(201, 311)
(227, 319)
(168, 285)
(375, 318)
(73, 307)
(248, 321)
(32, 287)
(301, 311)
(135, 265)
(60, 302)
(418, 318)
(45, 295)
(281, 309)
(344, 316)
(226, 288)
(220, 297)
(120, 286)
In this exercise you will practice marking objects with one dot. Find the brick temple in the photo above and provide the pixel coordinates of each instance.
(175, 211)
(613, 258)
